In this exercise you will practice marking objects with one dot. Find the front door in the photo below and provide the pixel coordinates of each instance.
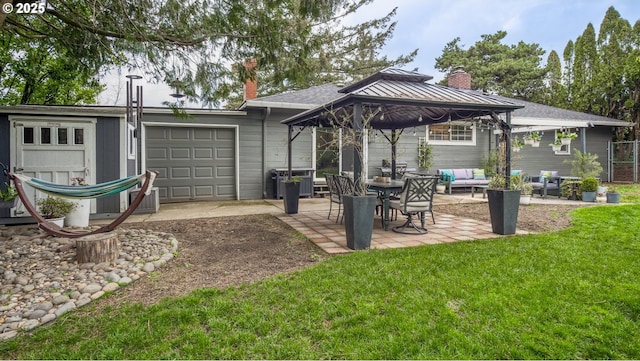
(54, 150)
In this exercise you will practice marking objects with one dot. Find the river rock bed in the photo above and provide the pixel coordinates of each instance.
(39, 282)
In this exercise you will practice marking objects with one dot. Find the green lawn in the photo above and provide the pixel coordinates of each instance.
(573, 294)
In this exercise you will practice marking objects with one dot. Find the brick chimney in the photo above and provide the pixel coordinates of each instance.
(251, 86)
(459, 79)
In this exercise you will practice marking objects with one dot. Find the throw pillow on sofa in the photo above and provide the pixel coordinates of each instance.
(447, 176)
(478, 174)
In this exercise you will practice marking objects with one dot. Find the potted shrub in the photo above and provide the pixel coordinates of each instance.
(519, 183)
(588, 187)
(8, 196)
(291, 194)
(503, 206)
(613, 196)
(54, 209)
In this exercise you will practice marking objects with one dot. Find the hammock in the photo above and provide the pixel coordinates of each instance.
(82, 192)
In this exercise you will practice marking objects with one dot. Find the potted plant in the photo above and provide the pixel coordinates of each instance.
(503, 205)
(516, 144)
(519, 183)
(79, 215)
(567, 137)
(8, 196)
(613, 196)
(425, 155)
(533, 139)
(54, 209)
(556, 146)
(588, 188)
(441, 187)
(291, 194)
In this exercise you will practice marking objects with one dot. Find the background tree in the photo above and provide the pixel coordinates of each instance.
(201, 45)
(508, 70)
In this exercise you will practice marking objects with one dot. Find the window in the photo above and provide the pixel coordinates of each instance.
(27, 135)
(63, 136)
(452, 133)
(45, 135)
(78, 136)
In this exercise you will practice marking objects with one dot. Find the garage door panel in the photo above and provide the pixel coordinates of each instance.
(203, 153)
(204, 191)
(203, 172)
(180, 133)
(180, 153)
(194, 163)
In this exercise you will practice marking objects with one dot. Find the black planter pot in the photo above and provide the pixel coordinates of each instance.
(8, 204)
(291, 197)
(358, 220)
(503, 208)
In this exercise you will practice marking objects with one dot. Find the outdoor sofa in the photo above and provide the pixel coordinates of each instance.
(462, 177)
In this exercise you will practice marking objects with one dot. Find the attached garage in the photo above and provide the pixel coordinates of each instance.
(194, 161)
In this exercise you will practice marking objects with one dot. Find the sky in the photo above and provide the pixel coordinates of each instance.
(429, 25)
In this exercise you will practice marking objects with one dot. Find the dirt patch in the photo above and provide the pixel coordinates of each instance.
(221, 252)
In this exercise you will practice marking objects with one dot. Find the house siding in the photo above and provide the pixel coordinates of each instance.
(109, 150)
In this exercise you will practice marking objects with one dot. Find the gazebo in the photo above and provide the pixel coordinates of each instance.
(394, 99)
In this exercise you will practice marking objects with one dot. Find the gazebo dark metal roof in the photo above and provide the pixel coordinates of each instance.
(396, 99)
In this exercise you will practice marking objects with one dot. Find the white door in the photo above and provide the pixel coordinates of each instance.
(54, 150)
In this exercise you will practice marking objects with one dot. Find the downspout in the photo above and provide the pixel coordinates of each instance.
(264, 152)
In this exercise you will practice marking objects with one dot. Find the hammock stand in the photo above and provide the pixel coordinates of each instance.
(80, 193)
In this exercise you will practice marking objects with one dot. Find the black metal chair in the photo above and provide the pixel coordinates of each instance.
(334, 194)
(345, 186)
(416, 198)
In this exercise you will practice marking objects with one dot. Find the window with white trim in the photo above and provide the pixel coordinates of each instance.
(452, 133)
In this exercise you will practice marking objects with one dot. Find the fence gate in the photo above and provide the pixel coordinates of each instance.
(623, 161)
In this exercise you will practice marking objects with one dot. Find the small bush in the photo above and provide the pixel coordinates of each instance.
(589, 185)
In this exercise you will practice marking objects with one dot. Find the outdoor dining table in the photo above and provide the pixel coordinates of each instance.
(386, 188)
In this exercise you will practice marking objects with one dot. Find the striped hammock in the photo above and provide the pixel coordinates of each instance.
(84, 192)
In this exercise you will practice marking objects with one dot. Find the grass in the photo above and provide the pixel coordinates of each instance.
(573, 294)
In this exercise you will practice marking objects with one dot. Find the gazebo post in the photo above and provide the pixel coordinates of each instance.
(394, 140)
(289, 149)
(357, 127)
(507, 144)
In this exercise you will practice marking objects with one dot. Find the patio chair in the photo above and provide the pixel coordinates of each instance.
(416, 198)
(334, 194)
(344, 186)
(547, 182)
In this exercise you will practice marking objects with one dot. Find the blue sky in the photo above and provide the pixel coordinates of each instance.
(430, 24)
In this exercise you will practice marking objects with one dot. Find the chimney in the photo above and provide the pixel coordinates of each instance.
(251, 86)
(459, 79)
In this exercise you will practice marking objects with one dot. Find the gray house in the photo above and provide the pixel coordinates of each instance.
(231, 154)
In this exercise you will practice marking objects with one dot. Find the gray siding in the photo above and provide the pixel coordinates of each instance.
(4, 153)
(108, 155)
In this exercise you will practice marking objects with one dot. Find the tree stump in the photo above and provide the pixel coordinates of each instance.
(97, 248)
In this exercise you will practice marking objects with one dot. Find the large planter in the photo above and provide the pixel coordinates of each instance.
(57, 221)
(588, 196)
(613, 197)
(358, 220)
(79, 215)
(503, 209)
(291, 197)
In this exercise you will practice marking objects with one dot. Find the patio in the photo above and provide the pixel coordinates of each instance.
(311, 220)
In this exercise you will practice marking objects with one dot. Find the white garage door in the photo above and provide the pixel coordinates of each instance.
(193, 163)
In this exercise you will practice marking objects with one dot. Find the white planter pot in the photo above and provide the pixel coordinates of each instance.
(528, 141)
(79, 216)
(565, 141)
(601, 199)
(556, 148)
(535, 144)
(57, 221)
(525, 200)
(441, 188)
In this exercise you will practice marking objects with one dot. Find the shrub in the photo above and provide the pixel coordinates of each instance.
(589, 185)
(52, 207)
